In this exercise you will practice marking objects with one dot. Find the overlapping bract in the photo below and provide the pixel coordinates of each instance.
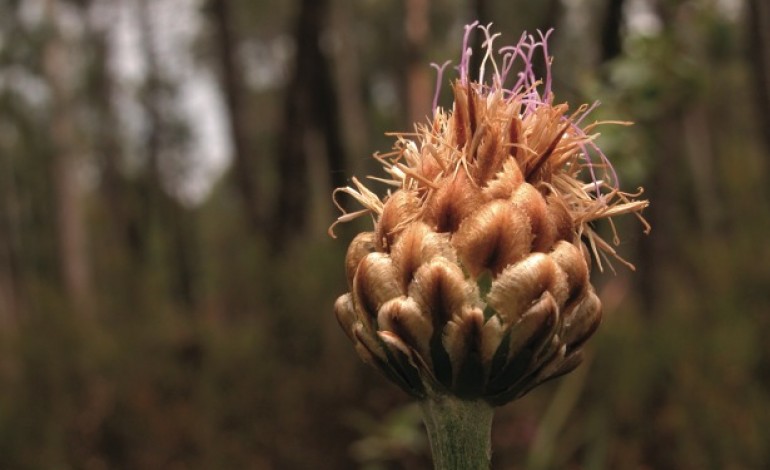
(417, 312)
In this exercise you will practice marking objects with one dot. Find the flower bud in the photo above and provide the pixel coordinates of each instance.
(474, 281)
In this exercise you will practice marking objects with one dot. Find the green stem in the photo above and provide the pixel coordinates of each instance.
(459, 432)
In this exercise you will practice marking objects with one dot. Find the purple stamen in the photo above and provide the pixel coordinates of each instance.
(439, 78)
(611, 173)
(466, 53)
(527, 89)
(488, 45)
(548, 59)
(508, 59)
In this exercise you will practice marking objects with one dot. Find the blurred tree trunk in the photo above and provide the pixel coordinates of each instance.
(244, 157)
(759, 58)
(159, 208)
(699, 149)
(669, 213)
(123, 231)
(67, 149)
(310, 104)
(353, 109)
(612, 40)
(10, 297)
(418, 82)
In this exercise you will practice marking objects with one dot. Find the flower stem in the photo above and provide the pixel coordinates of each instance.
(459, 432)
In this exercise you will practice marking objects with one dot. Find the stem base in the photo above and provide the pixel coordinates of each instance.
(459, 432)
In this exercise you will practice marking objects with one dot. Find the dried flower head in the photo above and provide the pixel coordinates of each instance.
(475, 279)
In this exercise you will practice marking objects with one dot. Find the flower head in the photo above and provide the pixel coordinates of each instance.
(475, 279)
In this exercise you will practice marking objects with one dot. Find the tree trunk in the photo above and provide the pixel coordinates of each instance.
(9, 262)
(159, 207)
(612, 40)
(70, 227)
(310, 103)
(244, 158)
(759, 58)
(418, 82)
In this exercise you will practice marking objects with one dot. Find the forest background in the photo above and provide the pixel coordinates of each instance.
(166, 280)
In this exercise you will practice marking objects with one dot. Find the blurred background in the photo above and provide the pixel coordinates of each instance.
(166, 280)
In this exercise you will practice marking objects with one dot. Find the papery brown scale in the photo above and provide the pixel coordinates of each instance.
(462, 341)
(492, 335)
(373, 351)
(441, 291)
(463, 334)
(514, 289)
(552, 351)
(460, 116)
(376, 281)
(473, 110)
(400, 207)
(416, 245)
(345, 313)
(528, 338)
(514, 136)
(550, 362)
(540, 168)
(505, 182)
(581, 323)
(370, 344)
(536, 325)
(362, 245)
(495, 236)
(561, 217)
(571, 260)
(489, 157)
(541, 371)
(529, 200)
(543, 126)
(404, 318)
(429, 167)
(452, 202)
(559, 287)
(401, 360)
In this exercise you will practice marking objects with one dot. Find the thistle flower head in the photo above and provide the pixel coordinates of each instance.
(474, 281)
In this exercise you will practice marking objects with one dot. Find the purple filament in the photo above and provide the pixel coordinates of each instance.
(466, 53)
(439, 78)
